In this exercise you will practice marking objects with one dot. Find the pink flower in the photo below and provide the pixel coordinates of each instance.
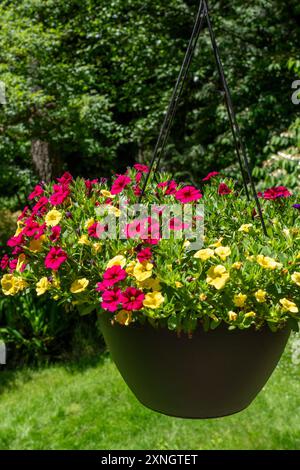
(135, 228)
(24, 213)
(55, 258)
(113, 275)
(13, 264)
(4, 262)
(141, 168)
(40, 205)
(144, 255)
(38, 191)
(65, 179)
(223, 189)
(132, 299)
(275, 193)
(188, 194)
(55, 233)
(111, 299)
(120, 183)
(96, 230)
(138, 177)
(137, 190)
(59, 195)
(170, 185)
(210, 175)
(16, 241)
(89, 184)
(176, 224)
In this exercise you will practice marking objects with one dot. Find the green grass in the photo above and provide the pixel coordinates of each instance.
(88, 406)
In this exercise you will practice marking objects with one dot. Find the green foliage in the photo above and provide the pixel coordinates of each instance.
(94, 79)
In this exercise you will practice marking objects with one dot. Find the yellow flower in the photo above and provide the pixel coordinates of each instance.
(218, 243)
(142, 271)
(223, 252)
(89, 223)
(153, 300)
(289, 306)
(239, 300)
(202, 297)
(20, 283)
(83, 240)
(124, 317)
(11, 284)
(97, 247)
(245, 228)
(21, 262)
(204, 254)
(250, 315)
(79, 285)
(267, 263)
(114, 210)
(217, 276)
(152, 284)
(237, 265)
(296, 278)
(36, 245)
(130, 267)
(42, 286)
(232, 315)
(8, 284)
(53, 218)
(118, 260)
(106, 193)
(260, 296)
(178, 284)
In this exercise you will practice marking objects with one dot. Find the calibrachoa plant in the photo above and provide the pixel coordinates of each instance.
(239, 278)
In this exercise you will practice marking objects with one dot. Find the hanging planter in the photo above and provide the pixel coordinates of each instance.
(195, 330)
(208, 375)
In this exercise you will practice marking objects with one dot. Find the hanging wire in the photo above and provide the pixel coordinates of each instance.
(203, 13)
(240, 149)
(173, 105)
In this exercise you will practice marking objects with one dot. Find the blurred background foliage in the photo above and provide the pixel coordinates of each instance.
(88, 82)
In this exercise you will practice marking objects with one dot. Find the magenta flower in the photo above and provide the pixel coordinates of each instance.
(275, 193)
(40, 205)
(188, 194)
(113, 275)
(96, 230)
(176, 224)
(60, 194)
(111, 299)
(55, 233)
(37, 192)
(55, 258)
(223, 189)
(132, 299)
(141, 168)
(210, 175)
(4, 262)
(144, 255)
(89, 184)
(24, 213)
(12, 265)
(65, 179)
(171, 187)
(16, 241)
(120, 183)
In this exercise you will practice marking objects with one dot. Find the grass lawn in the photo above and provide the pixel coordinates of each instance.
(88, 406)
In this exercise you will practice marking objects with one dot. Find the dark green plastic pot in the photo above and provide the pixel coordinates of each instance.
(213, 374)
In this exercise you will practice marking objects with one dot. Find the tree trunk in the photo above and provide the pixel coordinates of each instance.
(46, 163)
